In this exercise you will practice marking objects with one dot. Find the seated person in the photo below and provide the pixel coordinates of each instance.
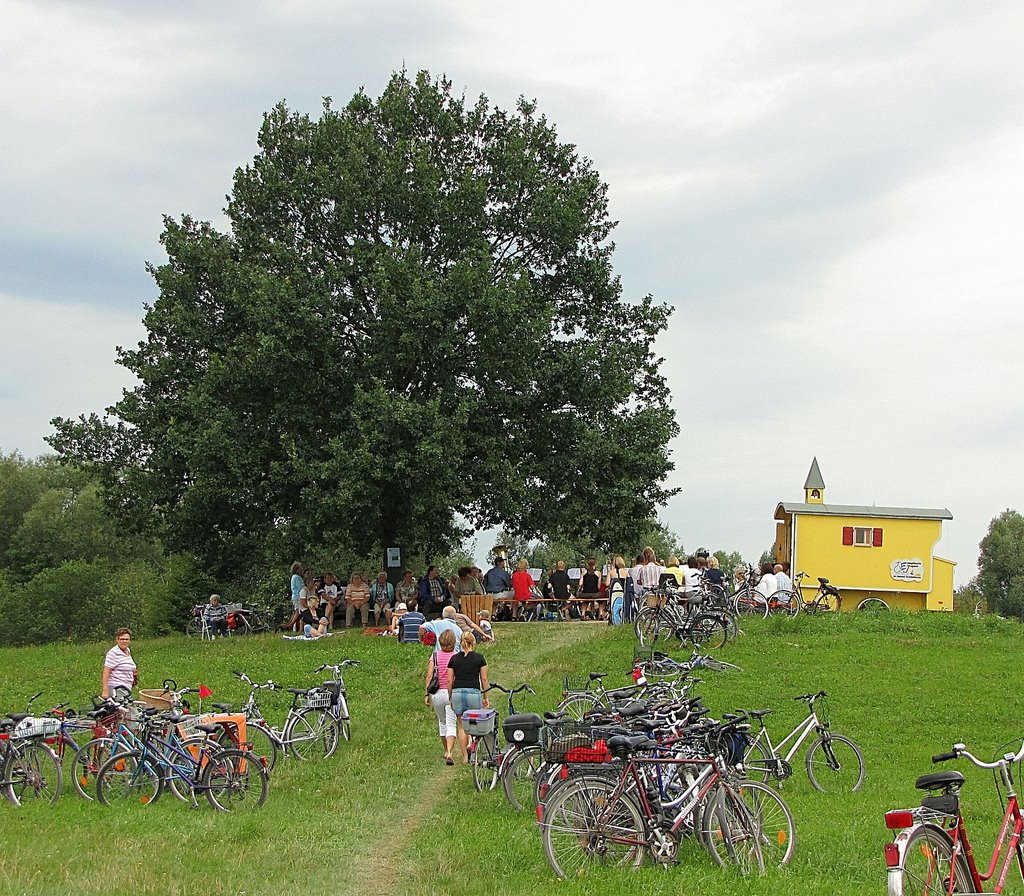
(357, 598)
(216, 615)
(468, 625)
(409, 627)
(485, 625)
(590, 587)
(396, 616)
(330, 596)
(314, 623)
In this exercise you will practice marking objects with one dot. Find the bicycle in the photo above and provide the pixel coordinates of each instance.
(598, 820)
(29, 769)
(931, 853)
(833, 761)
(485, 758)
(339, 695)
(230, 779)
(668, 619)
(309, 730)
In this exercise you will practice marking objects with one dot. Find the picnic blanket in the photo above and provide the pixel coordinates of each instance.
(304, 638)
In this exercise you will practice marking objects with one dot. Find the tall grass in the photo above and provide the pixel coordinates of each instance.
(386, 816)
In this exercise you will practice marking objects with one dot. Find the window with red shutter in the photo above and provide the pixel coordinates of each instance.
(847, 534)
(876, 538)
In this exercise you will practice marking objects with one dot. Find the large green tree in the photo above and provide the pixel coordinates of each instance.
(412, 325)
(1001, 564)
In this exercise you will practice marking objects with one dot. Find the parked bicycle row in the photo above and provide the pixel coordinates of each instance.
(123, 751)
(617, 775)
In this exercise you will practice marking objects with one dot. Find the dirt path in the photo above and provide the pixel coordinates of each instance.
(379, 865)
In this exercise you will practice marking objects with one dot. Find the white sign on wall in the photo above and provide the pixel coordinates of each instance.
(394, 557)
(907, 570)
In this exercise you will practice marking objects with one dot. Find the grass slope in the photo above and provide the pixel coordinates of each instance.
(386, 816)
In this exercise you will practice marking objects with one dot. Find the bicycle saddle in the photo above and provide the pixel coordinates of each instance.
(759, 713)
(623, 693)
(938, 780)
(554, 716)
(597, 676)
(822, 580)
(208, 729)
(628, 743)
(633, 709)
(224, 707)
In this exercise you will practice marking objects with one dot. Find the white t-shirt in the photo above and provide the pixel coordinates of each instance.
(766, 587)
(650, 573)
(122, 669)
(691, 580)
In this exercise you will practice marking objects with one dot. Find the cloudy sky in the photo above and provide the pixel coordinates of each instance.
(831, 195)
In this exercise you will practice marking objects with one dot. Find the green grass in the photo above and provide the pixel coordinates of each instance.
(386, 816)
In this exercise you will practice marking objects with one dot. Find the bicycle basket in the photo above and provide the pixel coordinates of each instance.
(574, 684)
(36, 727)
(574, 742)
(318, 698)
(479, 721)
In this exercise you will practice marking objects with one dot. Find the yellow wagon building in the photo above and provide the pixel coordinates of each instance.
(866, 551)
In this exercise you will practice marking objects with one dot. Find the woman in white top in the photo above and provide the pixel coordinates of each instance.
(767, 586)
(119, 669)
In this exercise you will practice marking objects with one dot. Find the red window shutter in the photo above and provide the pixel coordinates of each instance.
(876, 538)
(847, 534)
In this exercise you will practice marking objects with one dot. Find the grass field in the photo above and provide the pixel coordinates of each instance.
(385, 815)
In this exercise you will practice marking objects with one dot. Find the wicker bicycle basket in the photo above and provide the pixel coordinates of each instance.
(574, 742)
(575, 684)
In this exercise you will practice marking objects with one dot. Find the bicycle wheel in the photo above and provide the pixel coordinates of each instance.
(774, 819)
(263, 745)
(928, 866)
(312, 734)
(783, 603)
(194, 627)
(257, 623)
(33, 772)
(653, 625)
(708, 631)
(750, 604)
(88, 761)
(483, 759)
(128, 779)
(180, 775)
(577, 705)
(835, 763)
(873, 605)
(730, 833)
(714, 664)
(583, 828)
(517, 776)
(235, 781)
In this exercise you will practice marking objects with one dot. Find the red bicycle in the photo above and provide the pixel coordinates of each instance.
(932, 855)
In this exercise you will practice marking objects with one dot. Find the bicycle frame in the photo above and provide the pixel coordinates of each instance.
(798, 735)
(1008, 844)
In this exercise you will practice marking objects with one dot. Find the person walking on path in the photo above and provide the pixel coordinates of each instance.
(467, 681)
(440, 700)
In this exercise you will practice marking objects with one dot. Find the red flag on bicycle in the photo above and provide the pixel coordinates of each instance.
(204, 692)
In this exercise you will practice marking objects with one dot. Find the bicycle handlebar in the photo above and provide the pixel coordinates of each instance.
(961, 750)
(810, 698)
(516, 690)
(334, 667)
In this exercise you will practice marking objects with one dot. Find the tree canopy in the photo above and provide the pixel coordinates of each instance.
(411, 327)
(1001, 564)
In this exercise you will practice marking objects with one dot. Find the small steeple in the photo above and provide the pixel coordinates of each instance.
(814, 487)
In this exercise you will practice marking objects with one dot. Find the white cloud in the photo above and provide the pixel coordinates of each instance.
(58, 361)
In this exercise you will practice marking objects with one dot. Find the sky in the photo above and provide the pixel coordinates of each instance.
(830, 195)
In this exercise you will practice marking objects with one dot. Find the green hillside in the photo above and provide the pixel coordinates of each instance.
(385, 815)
